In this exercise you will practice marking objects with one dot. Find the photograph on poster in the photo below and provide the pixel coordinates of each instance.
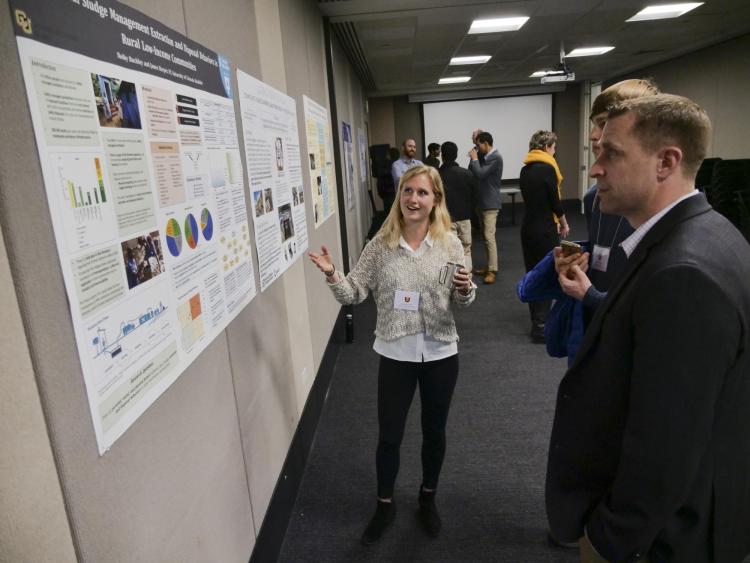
(300, 194)
(258, 203)
(143, 258)
(285, 222)
(320, 189)
(312, 161)
(279, 154)
(268, 197)
(116, 102)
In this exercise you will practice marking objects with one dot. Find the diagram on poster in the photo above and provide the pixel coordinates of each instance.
(348, 148)
(269, 125)
(137, 139)
(320, 156)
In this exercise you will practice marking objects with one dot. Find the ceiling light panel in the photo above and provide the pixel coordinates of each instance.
(664, 11)
(588, 51)
(497, 25)
(475, 60)
(454, 80)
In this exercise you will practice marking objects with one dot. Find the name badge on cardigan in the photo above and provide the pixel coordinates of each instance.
(600, 258)
(406, 300)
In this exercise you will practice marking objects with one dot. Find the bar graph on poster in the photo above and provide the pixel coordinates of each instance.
(137, 139)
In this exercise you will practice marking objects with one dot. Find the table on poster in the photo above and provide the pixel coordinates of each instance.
(269, 125)
(136, 133)
(320, 160)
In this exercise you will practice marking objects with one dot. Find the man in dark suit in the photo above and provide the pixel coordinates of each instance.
(649, 456)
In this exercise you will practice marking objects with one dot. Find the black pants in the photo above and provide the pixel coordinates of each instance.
(536, 242)
(396, 383)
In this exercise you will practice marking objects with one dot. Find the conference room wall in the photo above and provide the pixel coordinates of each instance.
(717, 78)
(382, 122)
(191, 480)
(350, 106)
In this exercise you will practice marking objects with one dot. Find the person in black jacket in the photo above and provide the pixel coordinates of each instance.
(649, 458)
(459, 185)
(544, 220)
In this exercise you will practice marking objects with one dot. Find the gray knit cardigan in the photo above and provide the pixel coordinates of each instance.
(384, 270)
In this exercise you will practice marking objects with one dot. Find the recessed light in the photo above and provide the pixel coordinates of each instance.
(664, 11)
(588, 51)
(476, 60)
(539, 73)
(497, 25)
(454, 80)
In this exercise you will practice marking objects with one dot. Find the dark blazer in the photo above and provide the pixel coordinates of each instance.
(650, 448)
(459, 185)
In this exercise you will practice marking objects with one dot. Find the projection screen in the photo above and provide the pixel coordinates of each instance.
(511, 121)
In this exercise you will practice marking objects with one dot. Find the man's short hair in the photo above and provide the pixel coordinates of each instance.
(433, 146)
(484, 137)
(667, 119)
(407, 140)
(449, 151)
(542, 139)
(623, 90)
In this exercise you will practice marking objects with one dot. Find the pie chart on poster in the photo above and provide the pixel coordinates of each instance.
(174, 237)
(191, 231)
(207, 224)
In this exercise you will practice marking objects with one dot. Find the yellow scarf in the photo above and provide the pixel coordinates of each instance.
(537, 155)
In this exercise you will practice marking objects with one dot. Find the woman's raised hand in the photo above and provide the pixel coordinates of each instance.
(323, 261)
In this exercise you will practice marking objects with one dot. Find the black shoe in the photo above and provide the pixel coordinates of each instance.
(384, 515)
(427, 513)
(564, 544)
(537, 334)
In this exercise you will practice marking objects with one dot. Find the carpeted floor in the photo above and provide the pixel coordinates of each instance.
(491, 494)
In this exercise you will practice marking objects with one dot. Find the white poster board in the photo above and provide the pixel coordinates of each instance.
(269, 125)
(320, 160)
(137, 140)
(348, 147)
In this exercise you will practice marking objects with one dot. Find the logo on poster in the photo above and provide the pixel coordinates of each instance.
(23, 21)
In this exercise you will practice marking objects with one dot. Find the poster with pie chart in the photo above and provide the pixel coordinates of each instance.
(174, 237)
(191, 231)
(207, 224)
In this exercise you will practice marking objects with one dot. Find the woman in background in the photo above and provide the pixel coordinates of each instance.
(544, 220)
(407, 267)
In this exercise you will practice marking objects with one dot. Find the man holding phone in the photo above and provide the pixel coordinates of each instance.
(605, 231)
(649, 458)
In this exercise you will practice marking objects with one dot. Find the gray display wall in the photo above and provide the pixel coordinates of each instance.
(192, 478)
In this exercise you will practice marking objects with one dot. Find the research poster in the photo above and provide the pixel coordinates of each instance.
(346, 136)
(269, 125)
(137, 139)
(363, 158)
(320, 157)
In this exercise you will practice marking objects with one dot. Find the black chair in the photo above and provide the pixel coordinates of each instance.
(730, 192)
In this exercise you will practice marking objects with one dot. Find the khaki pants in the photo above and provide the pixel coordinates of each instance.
(462, 229)
(489, 221)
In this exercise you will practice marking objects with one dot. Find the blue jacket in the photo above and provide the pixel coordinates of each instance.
(564, 328)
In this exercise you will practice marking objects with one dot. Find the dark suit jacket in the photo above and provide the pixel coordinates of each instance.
(459, 186)
(650, 448)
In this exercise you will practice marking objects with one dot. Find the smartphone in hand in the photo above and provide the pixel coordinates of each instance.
(570, 248)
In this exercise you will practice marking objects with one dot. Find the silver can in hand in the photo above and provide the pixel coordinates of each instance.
(447, 272)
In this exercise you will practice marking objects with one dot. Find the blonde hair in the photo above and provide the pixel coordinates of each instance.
(440, 220)
(621, 91)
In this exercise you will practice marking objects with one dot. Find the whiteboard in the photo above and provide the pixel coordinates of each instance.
(511, 121)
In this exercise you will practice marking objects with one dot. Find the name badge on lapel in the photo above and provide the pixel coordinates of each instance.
(600, 258)
(406, 300)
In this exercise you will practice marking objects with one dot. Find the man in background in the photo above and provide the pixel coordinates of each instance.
(649, 458)
(489, 175)
(407, 160)
(432, 158)
(459, 185)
